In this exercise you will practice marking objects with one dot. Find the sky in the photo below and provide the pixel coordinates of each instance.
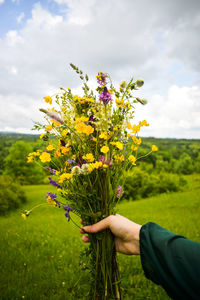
(155, 40)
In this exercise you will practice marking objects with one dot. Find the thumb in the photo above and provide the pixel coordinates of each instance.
(101, 225)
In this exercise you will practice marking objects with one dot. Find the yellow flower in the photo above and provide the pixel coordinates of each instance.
(94, 139)
(132, 159)
(42, 135)
(65, 132)
(65, 150)
(119, 103)
(55, 123)
(134, 148)
(119, 145)
(95, 165)
(80, 128)
(113, 143)
(89, 129)
(119, 158)
(48, 99)
(89, 157)
(104, 149)
(143, 123)
(45, 156)
(103, 135)
(50, 147)
(48, 127)
(30, 159)
(81, 119)
(23, 216)
(57, 153)
(129, 126)
(65, 176)
(136, 140)
(105, 166)
(154, 148)
(135, 128)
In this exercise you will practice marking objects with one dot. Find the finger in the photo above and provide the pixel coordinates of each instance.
(85, 239)
(102, 225)
(82, 231)
(81, 221)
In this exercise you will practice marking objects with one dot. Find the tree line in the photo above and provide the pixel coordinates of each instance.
(156, 173)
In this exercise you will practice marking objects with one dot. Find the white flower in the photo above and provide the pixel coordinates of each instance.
(76, 170)
(84, 169)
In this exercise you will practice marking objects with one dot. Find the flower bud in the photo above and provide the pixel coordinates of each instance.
(142, 101)
(139, 82)
(123, 84)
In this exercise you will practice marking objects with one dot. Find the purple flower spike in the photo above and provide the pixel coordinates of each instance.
(52, 196)
(105, 96)
(52, 171)
(52, 182)
(101, 78)
(67, 209)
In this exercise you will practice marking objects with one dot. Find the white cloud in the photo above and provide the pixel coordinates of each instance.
(119, 37)
(1, 2)
(20, 17)
(177, 115)
(13, 70)
(43, 19)
(13, 38)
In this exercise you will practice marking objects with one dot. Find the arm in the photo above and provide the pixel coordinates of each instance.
(171, 260)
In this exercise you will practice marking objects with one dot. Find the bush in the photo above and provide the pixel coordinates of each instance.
(17, 167)
(140, 184)
(11, 194)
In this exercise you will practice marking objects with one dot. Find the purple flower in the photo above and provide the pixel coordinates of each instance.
(62, 143)
(67, 209)
(81, 161)
(52, 196)
(71, 161)
(57, 202)
(51, 170)
(101, 78)
(52, 182)
(119, 192)
(105, 96)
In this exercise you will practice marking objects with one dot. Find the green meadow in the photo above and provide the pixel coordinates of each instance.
(41, 257)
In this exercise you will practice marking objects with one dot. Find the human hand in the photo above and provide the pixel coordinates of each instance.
(125, 231)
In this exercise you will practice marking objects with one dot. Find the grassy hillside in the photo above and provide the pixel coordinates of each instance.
(39, 257)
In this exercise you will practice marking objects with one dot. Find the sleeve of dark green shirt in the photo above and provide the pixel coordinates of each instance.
(171, 261)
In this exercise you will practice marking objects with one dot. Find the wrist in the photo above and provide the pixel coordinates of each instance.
(136, 248)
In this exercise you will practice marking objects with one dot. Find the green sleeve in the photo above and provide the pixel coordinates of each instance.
(171, 261)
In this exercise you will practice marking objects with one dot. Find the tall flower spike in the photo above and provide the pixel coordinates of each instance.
(54, 116)
(105, 96)
(67, 209)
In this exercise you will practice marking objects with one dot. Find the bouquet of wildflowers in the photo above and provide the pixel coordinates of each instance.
(90, 143)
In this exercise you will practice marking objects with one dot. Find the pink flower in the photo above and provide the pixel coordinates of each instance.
(119, 191)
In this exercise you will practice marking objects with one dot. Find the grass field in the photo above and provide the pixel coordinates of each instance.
(39, 257)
